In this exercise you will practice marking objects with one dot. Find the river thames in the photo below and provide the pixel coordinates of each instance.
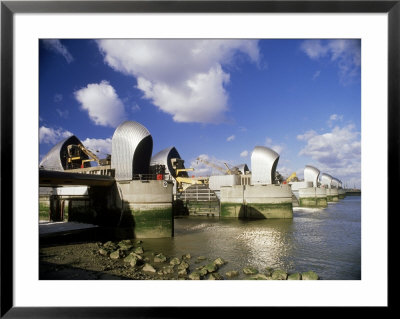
(327, 241)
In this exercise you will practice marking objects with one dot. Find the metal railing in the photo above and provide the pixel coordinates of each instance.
(197, 193)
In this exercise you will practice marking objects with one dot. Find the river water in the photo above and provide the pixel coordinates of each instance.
(327, 241)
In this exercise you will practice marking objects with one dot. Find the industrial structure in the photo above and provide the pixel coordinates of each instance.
(138, 194)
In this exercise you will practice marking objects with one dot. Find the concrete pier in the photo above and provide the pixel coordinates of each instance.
(313, 197)
(146, 208)
(332, 194)
(256, 201)
(342, 193)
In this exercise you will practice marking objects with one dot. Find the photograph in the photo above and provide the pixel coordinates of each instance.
(165, 155)
(200, 159)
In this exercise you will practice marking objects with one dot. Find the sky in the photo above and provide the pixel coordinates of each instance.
(210, 98)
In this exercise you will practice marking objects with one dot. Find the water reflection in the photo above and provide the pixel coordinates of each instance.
(327, 241)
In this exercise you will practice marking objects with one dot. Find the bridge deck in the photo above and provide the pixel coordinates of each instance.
(56, 178)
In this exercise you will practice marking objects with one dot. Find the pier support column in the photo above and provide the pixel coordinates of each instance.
(146, 208)
(332, 195)
(268, 201)
(256, 201)
(313, 197)
(231, 201)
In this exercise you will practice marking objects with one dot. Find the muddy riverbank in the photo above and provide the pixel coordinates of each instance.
(132, 260)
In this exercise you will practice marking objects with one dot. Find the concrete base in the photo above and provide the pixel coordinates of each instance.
(332, 195)
(313, 197)
(256, 201)
(146, 208)
(342, 193)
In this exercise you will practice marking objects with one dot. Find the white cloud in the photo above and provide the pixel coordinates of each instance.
(346, 54)
(102, 104)
(245, 153)
(230, 138)
(333, 118)
(58, 47)
(63, 114)
(307, 135)
(203, 169)
(316, 74)
(337, 152)
(101, 147)
(276, 147)
(135, 107)
(49, 135)
(183, 78)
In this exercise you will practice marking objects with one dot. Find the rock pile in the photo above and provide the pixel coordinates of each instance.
(132, 254)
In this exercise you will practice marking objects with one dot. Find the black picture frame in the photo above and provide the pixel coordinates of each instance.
(9, 8)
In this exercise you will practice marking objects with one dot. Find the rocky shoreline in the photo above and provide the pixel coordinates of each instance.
(127, 259)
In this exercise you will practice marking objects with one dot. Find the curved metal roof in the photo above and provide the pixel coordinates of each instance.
(56, 158)
(164, 158)
(131, 150)
(326, 180)
(311, 174)
(263, 165)
(243, 168)
(335, 182)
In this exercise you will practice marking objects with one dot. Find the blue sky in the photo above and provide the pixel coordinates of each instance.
(212, 98)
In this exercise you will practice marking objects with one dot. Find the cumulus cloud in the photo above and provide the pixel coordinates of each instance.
(101, 147)
(337, 152)
(183, 78)
(49, 135)
(102, 104)
(217, 166)
(245, 153)
(276, 147)
(230, 138)
(346, 54)
(333, 118)
(57, 47)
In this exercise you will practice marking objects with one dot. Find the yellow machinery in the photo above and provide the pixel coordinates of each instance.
(291, 178)
(184, 182)
(228, 171)
(76, 160)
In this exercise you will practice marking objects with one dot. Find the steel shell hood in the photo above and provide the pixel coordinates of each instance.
(131, 150)
(335, 182)
(311, 175)
(56, 158)
(263, 165)
(243, 168)
(164, 158)
(326, 180)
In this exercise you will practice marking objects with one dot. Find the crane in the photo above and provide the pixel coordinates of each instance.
(184, 182)
(75, 160)
(228, 171)
(292, 177)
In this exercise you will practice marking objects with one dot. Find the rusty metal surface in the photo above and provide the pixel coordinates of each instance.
(132, 146)
(311, 174)
(263, 165)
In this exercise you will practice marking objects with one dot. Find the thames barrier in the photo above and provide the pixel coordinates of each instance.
(132, 196)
